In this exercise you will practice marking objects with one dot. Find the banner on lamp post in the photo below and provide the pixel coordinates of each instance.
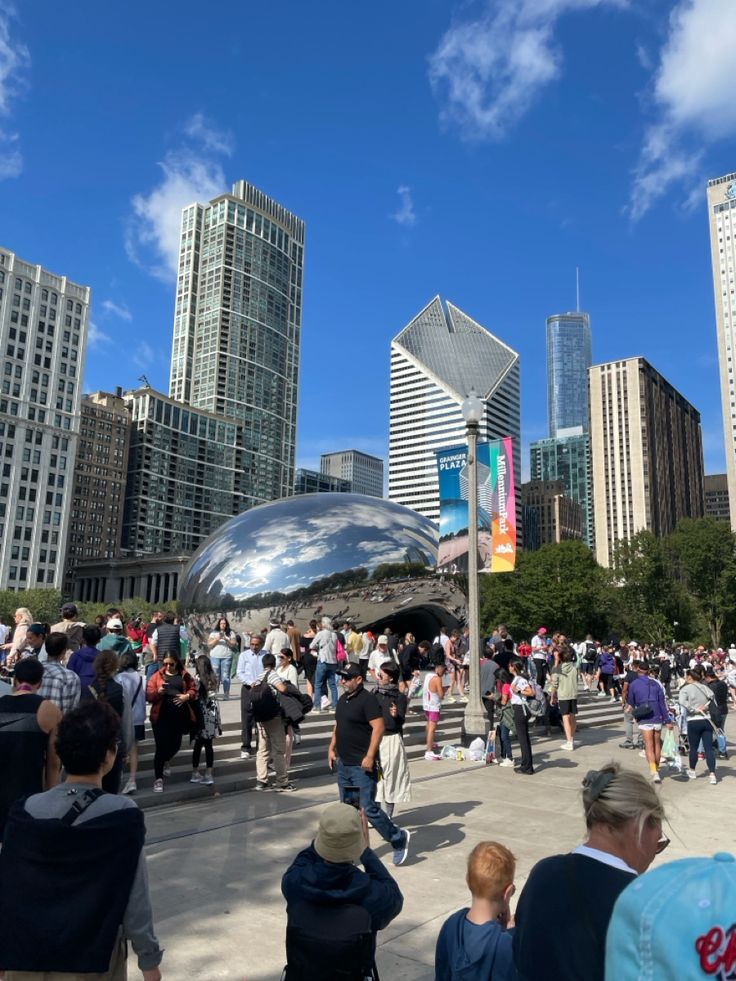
(496, 507)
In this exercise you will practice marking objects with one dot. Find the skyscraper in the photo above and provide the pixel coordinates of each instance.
(237, 327)
(722, 219)
(365, 472)
(647, 453)
(98, 489)
(567, 459)
(43, 336)
(568, 359)
(435, 361)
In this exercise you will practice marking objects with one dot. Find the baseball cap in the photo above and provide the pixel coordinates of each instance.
(36, 628)
(675, 921)
(114, 624)
(339, 836)
(542, 630)
(351, 671)
(383, 639)
(69, 610)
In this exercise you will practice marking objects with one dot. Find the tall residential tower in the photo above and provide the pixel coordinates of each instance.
(43, 336)
(237, 327)
(647, 452)
(722, 219)
(568, 359)
(435, 361)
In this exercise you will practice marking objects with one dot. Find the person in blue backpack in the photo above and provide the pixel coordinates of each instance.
(475, 943)
(648, 705)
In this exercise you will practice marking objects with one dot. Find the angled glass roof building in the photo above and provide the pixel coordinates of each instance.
(435, 361)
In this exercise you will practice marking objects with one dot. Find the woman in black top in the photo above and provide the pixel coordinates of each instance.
(624, 816)
(395, 785)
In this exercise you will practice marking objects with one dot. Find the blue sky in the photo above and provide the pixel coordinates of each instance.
(477, 150)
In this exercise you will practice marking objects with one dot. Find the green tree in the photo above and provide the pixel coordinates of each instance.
(44, 604)
(560, 586)
(703, 551)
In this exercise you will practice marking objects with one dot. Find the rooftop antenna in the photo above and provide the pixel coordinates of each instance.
(577, 289)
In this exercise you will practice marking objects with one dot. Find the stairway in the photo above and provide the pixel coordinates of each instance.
(310, 757)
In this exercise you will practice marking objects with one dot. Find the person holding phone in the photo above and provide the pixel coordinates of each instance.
(171, 692)
(324, 884)
(353, 753)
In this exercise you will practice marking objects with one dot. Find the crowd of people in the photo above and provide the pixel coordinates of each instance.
(82, 697)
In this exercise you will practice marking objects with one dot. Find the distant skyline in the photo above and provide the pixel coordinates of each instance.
(421, 157)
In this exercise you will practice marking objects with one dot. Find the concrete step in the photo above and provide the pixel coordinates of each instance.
(310, 757)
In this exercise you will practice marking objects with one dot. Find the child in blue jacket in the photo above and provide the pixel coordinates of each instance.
(474, 944)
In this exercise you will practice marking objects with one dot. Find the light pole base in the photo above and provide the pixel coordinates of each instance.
(475, 726)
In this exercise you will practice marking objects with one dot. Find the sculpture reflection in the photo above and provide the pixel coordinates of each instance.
(304, 545)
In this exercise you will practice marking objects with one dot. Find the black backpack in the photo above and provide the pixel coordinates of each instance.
(264, 702)
(329, 943)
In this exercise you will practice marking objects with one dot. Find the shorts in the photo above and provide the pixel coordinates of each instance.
(588, 667)
(140, 732)
(568, 706)
(432, 716)
(650, 727)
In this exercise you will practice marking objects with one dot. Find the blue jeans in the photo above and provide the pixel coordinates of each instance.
(151, 669)
(504, 734)
(324, 676)
(355, 776)
(221, 667)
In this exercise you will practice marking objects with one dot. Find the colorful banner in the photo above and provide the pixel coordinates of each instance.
(496, 508)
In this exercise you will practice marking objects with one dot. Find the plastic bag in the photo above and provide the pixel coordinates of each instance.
(721, 741)
(477, 750)
(669, 744)
(452, 753)
(415, 686)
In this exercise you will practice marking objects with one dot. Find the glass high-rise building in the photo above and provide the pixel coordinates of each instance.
(237, 327)
(567, 459)
(569, 356)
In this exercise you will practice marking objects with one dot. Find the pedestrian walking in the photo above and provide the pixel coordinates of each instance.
(222, 643)
(649, 708)
(249, 670)
(325, 644)
(432, 694)
(59, 684)
(208, 725)
(394, 787)
(131, 680)
(271, 729)
(563, 685)
(170, 691)
(696, 698)
(353, 753)
(105, 688)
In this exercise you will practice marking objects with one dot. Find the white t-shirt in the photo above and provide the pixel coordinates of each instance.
(518, 685)
(289, 673)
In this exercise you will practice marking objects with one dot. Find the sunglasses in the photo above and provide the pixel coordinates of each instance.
(169, 664)
(662, 844)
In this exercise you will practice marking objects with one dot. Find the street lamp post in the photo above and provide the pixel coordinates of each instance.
(475, 722)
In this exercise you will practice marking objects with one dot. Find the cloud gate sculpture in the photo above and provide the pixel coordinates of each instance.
(321, 553)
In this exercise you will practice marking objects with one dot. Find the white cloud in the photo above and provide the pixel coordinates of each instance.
(405, 214)
(693, 101)
(96, 337)
(488, 71)
(190, 173)
(14, 61)
(117, 310)
(201, 129)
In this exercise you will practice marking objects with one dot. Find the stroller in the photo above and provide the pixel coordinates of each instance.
(675, 746)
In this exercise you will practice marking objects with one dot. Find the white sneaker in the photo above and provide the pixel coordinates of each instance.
(130, 787)
(691, 774)
(196, 777)
(506, 762)
(568, 746)
(244, 754)
(643, 754)
(656, 777)
(207, 781)
(601, 694)
(713, 778)
(158, 786)
(429, 755)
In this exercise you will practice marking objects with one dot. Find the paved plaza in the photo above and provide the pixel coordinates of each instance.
(215, 866)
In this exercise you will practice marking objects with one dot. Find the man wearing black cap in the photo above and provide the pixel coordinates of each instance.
(354, 750)
(70, 626)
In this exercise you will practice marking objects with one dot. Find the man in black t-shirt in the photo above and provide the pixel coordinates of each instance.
(353, 750)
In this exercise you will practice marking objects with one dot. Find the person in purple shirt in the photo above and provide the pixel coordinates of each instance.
(647, 701)
(82, 662)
